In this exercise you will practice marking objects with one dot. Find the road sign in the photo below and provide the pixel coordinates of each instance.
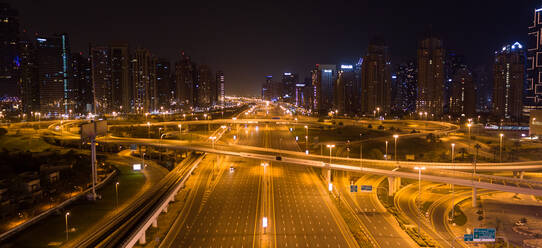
(484, 235)
(133, 147)
(468, 237)
(136, 167)
(366, 188)
(353, 188)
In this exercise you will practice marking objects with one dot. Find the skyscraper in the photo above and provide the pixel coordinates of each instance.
(221, 88)
(10, 60)
(267, 88)
(204, 86)
(533, 87)
(28, 76)
(289, 80)
(143, 80)
(376, 78)
(185, 80)
(163, 82)
(52, 56)
(81, 97)
(462, 97)
(324, 78)
(344, 90)
(100, 64)
(120, 77)
(430, 76)
(509, 79)
(406, 91)
(454, 62)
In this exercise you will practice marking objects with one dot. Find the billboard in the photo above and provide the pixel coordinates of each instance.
(93, 129)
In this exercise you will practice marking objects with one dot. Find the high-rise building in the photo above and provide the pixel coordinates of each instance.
(462, 97)
(204, 86)
(406, 91)
(81, 98)
(100, 64)
(185, 80)
(221, 88)
(509, 79)
(289, 80)
(163, 82)
(267, 88)
(143, 80)
(345, 98)
(484, 88)
(323, 79)
(533, 87)
(121, 92)
(430, 76)
(10, 60)
(28, 77)
(376, 79)
(454, 62)
(52, 56)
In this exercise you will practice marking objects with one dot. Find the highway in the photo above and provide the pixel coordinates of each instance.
(229, 213)
(381, 225)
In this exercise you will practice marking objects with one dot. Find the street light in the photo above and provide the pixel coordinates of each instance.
(419, 169)
(116, 195)
(469, 125)
(180, 130)
(330, 147)
(386, 155)
(453, 147)
(67, 230)
(500, 147)
(395, 136)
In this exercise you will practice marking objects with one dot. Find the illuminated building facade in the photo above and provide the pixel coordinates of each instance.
(509, 79)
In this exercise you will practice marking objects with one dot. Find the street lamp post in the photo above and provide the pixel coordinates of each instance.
(360, 152)
(67, 230)
(500, 147)
(453, 148)
(148, 130)
(117, 195)
(386, 150)
(453, 189)
(306, 138)
(395, 136)
(419, 169)
(330, 147)
(180, 130)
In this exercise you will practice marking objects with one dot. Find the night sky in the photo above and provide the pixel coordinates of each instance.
(251, 40)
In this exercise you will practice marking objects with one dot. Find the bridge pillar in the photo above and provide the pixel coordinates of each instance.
(155, 223)
(391, 186)
(521, 174)
(142, 239)
(474, 198)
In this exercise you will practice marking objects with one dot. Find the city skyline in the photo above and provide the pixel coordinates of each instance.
(248, 35)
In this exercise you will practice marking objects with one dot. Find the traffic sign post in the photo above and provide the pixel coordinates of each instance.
(91, 131)
(468, 237)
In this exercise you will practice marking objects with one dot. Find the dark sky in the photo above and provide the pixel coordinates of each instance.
(249, 40)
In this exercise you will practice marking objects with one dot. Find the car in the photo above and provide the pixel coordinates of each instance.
(279, 158)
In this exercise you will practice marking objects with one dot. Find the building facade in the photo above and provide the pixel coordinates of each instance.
(462, 97)
(533, 86)
(221, 82)
(509, 79)
(121, 97)
(10, 60)
(430, 76)
(406, 87)
(376, 79)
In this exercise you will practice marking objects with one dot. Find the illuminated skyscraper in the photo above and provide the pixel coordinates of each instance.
(163, 82)
(143, 80)
(100, 64)
(344, 90)
(533, 88)
(81, 97)
(289, 80)
(185, 80)
(509, 79)
(52, 56)
(221, 88)
(324, 78)
(430, 76)
(462, 96)
(406, 91)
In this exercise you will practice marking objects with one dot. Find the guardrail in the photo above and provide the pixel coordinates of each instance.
(151, 219)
